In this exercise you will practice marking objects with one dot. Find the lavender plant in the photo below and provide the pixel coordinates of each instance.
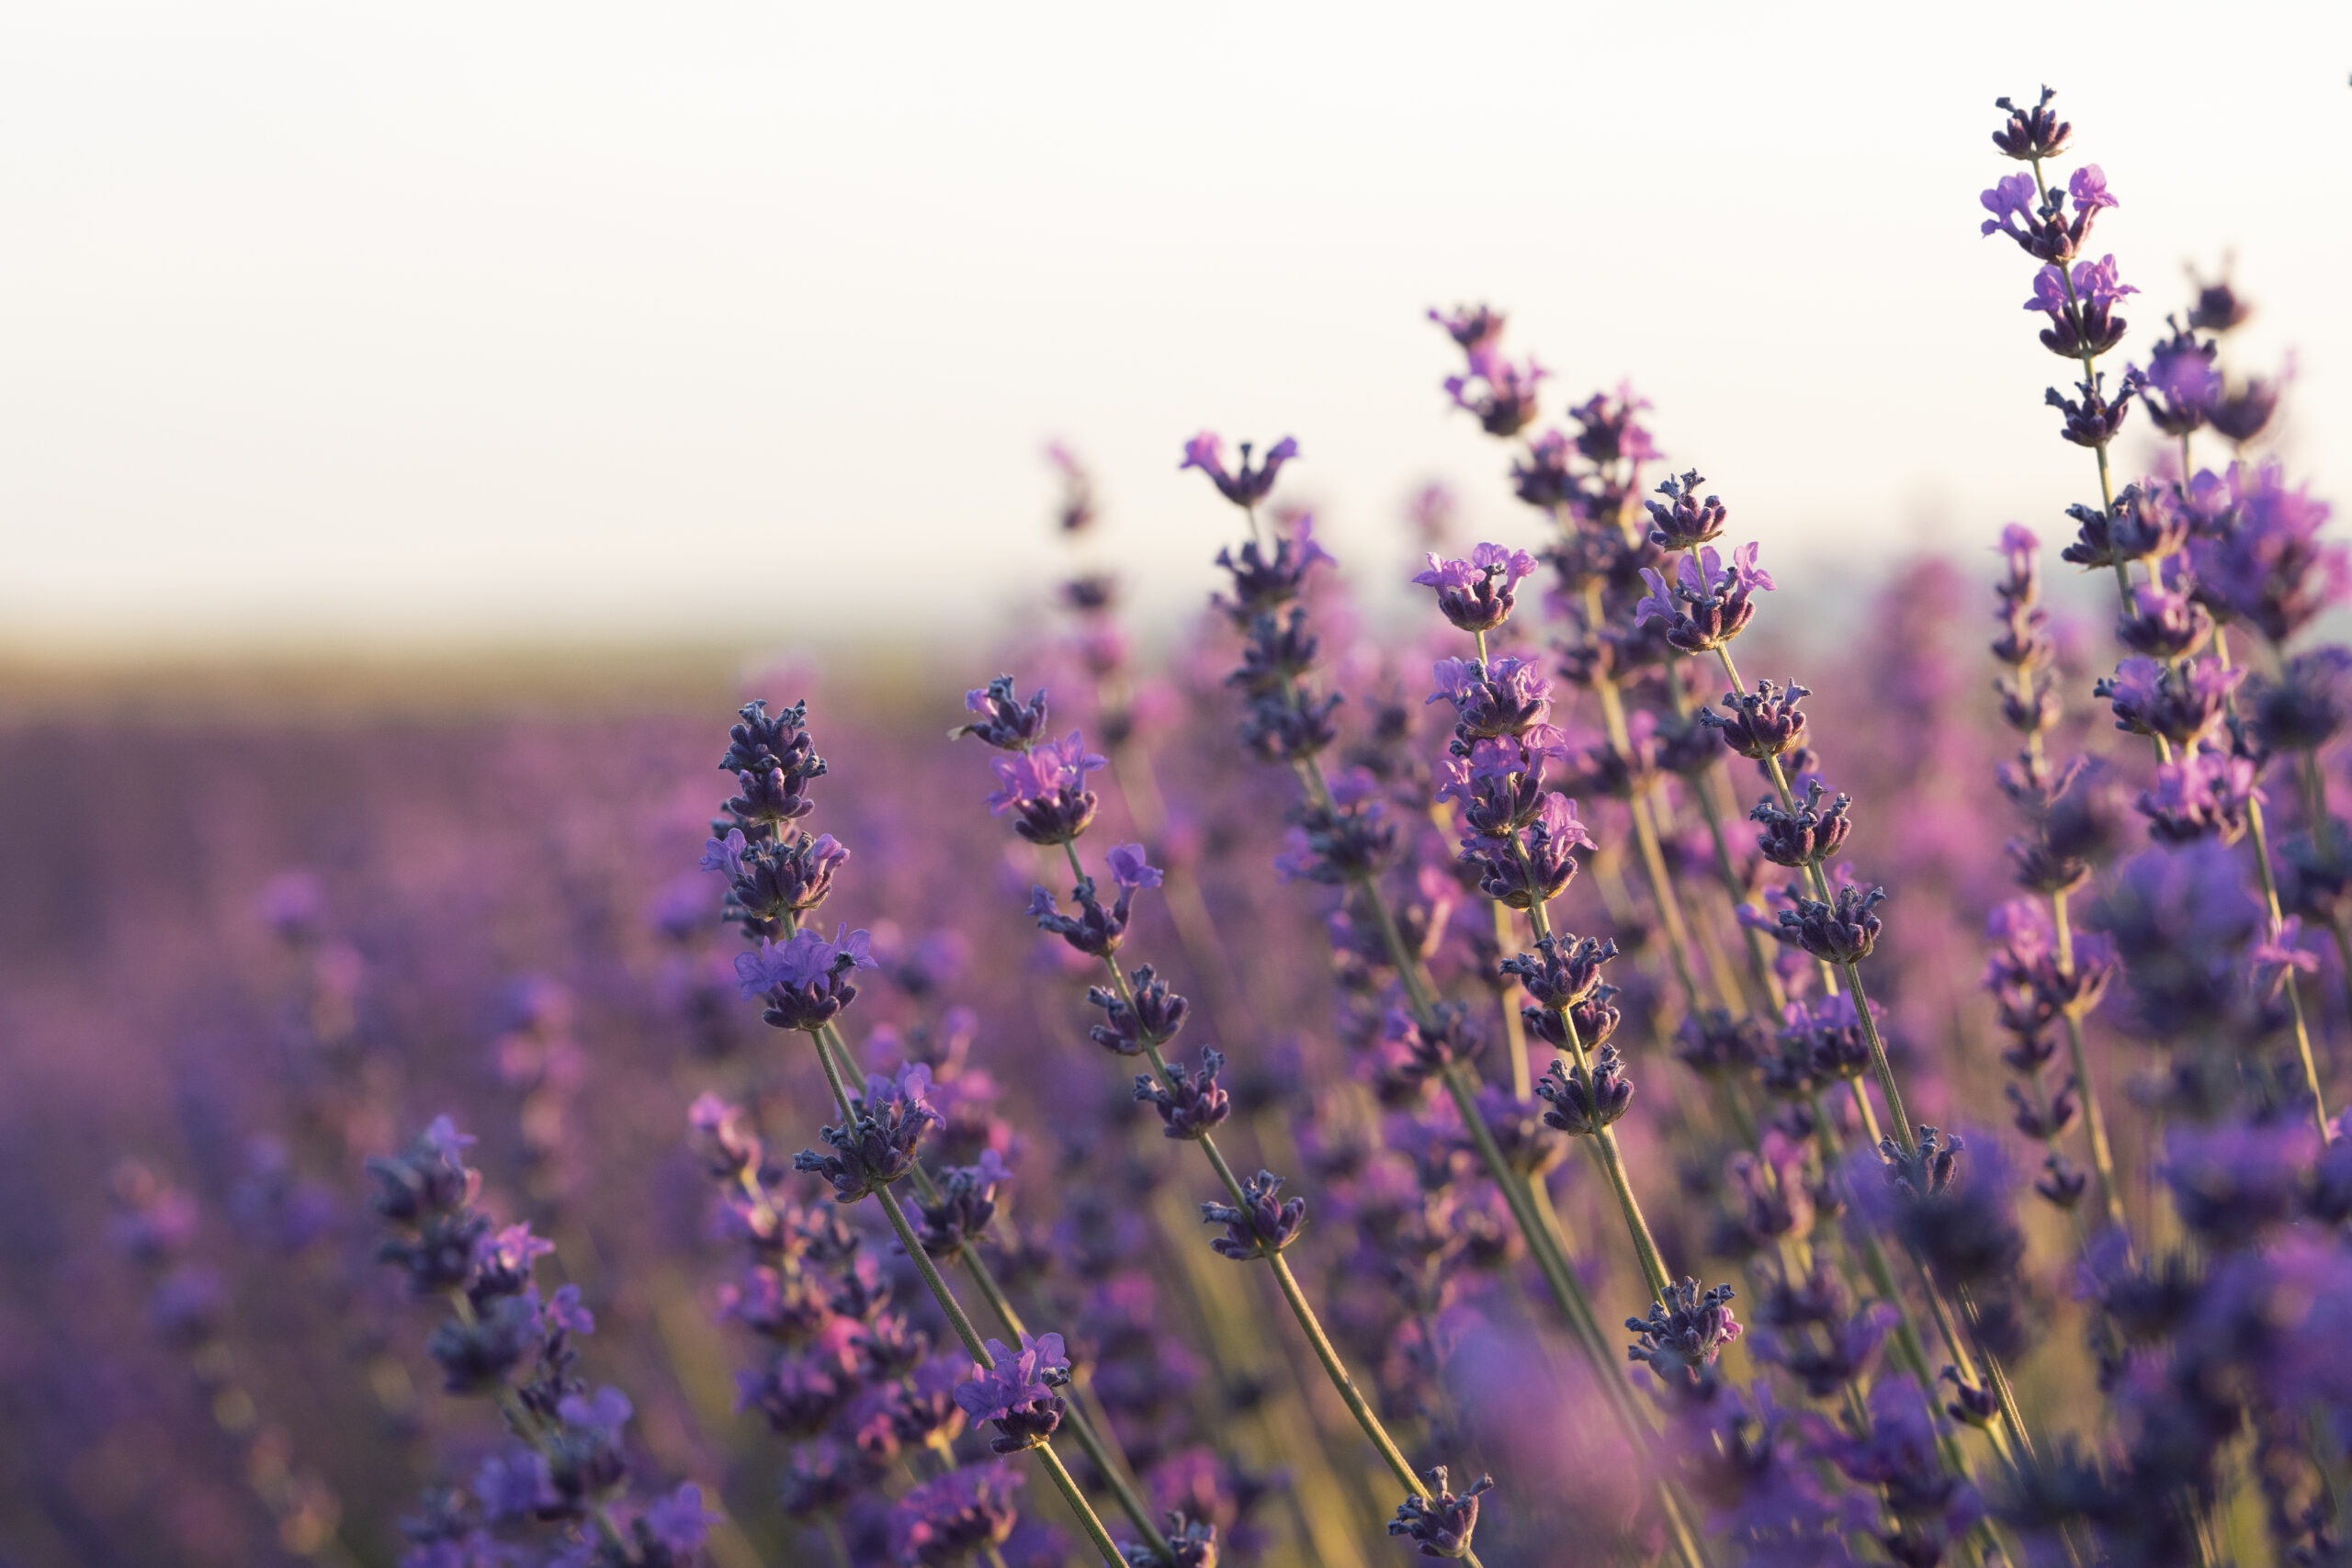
(1981, 1210)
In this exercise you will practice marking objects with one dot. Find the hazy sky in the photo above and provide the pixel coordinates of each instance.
(389, 322)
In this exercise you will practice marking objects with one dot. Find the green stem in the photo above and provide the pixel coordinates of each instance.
(1087, 1518)
(1883, 1069)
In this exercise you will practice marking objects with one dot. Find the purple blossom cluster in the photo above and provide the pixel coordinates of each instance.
(1252, 1087)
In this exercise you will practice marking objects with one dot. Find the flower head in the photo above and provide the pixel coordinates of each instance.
(1476, 594)
(1440, 1524)
(1708, 602)
(1247, 485)
(1017, 1392)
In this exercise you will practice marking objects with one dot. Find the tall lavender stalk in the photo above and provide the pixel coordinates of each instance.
(2203, 787)
(1042, 783)
(805, 982)
(1341, 840)
(2066, 979)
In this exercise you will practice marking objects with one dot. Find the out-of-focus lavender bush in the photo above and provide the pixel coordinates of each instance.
(1661, 1088)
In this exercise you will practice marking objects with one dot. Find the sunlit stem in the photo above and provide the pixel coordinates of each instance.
(1883, 1069)
(1336, 1369)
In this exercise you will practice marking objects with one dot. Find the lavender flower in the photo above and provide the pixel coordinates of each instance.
(955, 1518)
(1682, 1338)
(876, 1146)
(1806, 836)
(805, 980)
(1044, 787)
(2032, 134)
(1708, 603)
(1016, 1393)
(1189, 1106)
(1586, 1101)
(1477, 594)
(1840, 931)
(2184, 703)
(1440, 1524)
(1683, 522)
(1153, 1019)
(1005, 722)
(1247, 485)
(1763, 725)
(1266, 1226)
(774, 761)
(965, 1207)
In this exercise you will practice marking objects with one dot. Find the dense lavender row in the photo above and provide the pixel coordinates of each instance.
(1633, 1115)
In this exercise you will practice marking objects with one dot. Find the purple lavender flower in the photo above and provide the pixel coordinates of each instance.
(1246, 486)
(2085, 324)
(2234, 1182)
(2142, 524)
(965, 1207)
(2038, 223)
(1709, 602)
(2243, 408)
(1131, 868)
(877, 1145)
(2095, 419)
(677, 1523)
(2031, 134)
(1493, 697)
(1806, 836)
(1440, 1524)
(1263, 583)
(1682, 1338)
(1828, 1034)
(1766, 724)
(1586, 1101)
(428, 1180)
(1017, 1392)
(2185, 704)
(2181, 384)
(774, 761)
(776, 879)
(1500, 392)
(1712, 1041)
(1499, 786)
(805, 980)
(1044, 787)
(1475, 328)
(1476, 594)
(1896, 1453)
(1153, 1019)
(1564, 969)
(956, 1518)
(2207, 795)
(1840, 931)
(1683, 522)
(2265, 566)
(1266, 1226)
(1005, 721)
(2162, 623)
(1093, 930)
(1537, 864)
(1190, 1105)
(1844, 1351)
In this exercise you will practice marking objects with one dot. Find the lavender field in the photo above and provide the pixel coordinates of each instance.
(1645, 1060)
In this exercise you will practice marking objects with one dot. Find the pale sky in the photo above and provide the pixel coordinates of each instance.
(391, 324)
